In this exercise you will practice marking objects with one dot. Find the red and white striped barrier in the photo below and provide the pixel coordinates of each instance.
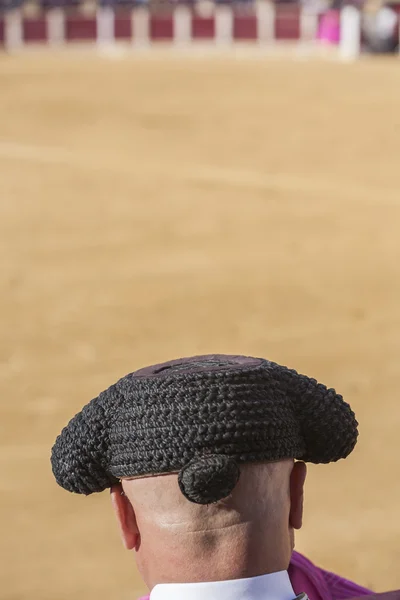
(266, 24)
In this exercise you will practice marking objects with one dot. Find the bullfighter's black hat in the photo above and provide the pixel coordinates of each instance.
(201, 417)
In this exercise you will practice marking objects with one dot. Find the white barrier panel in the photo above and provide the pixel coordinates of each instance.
(265, 13)
(223, 25)
(141, 26)
(182, 25)
(350, 33)
(13, 31)
(55, 18)
(105, 22)
(308, 25)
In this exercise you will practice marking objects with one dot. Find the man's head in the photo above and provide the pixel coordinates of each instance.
(205, 450)
(249, 533)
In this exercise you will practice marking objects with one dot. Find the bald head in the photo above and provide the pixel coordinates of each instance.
(246, 534)
(262, 490)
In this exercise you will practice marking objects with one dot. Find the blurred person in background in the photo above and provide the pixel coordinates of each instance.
(205, 458)
(329, 24)
(380, 27)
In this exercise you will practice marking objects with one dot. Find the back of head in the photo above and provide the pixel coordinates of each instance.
(261, 493)
(205, 449)
(246, 534)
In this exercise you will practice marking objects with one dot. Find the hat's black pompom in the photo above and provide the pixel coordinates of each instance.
(208, 479)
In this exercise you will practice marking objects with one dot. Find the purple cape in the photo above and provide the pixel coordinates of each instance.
(319, 584)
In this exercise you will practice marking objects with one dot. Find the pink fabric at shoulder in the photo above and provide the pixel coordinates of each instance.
(319, 584)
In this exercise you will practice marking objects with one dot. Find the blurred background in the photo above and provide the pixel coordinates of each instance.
(184, 198)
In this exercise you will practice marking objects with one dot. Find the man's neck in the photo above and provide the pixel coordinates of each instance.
(228, 562)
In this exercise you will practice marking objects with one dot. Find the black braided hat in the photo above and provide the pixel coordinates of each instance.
(201, 417)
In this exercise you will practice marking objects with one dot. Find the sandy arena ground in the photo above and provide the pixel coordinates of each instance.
(159, 207)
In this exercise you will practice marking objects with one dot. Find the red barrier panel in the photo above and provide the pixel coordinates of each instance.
(79, 28)
(35, 30)
(245, 27)
(203, 29)
(123, 27)
(161, 28)
(287, 23)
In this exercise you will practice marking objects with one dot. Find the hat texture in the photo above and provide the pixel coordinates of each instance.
(201, 417)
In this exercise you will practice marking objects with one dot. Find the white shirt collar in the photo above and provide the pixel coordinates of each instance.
(274, 586)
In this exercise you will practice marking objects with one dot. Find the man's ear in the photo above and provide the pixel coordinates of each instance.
(297, 479)
(126, 517)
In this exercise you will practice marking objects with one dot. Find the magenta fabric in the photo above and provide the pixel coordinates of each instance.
(317, 583)
(329, 27)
